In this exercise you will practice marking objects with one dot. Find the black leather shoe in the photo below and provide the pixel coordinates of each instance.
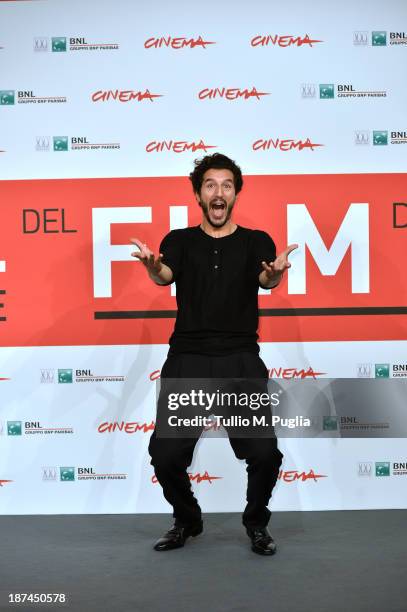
(176, 536)
(262, 542)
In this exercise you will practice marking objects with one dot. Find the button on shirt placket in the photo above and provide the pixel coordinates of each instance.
(216, 260)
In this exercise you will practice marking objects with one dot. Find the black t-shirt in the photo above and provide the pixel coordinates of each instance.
(217, 283)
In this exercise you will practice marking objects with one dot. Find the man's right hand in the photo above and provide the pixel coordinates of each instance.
(147, 257)
(158, 272)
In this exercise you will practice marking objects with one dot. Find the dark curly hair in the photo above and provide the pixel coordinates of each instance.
(219, 162)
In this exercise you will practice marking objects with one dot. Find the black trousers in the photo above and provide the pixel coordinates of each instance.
(170, 457)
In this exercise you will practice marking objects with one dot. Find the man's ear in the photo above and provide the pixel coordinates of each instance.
(197, 198)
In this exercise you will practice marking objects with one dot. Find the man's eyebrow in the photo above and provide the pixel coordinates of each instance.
(225, 181)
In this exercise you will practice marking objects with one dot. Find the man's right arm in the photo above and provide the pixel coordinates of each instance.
(160, 273)
(162, 277)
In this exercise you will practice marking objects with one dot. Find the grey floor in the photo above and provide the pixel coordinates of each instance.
(326, 561)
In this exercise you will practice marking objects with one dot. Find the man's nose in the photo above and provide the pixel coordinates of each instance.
(219, 190)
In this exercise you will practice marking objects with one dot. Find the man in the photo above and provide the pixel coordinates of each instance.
(218, 267)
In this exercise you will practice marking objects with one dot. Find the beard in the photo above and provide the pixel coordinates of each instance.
(217, 212)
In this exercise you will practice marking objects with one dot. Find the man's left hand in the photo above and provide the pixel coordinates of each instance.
(273, 271)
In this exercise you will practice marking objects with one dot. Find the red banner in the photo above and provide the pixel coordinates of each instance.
(48, 275)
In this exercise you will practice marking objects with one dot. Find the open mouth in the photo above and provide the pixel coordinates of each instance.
(218, 208)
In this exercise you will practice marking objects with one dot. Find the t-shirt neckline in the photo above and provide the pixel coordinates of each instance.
(238, 227)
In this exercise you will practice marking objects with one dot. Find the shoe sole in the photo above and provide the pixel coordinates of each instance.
(264, 552)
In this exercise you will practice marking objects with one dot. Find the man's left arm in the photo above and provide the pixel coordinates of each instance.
(273, 267)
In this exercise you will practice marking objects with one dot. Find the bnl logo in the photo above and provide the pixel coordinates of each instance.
(64, 376)
(330, 423)
(380, 137)
(326, 91)
(378, 38)
(382, 468)
(382, 370)
(67, 474)
(14, 428)
(7, 97)
(60, 143)
(58, 44)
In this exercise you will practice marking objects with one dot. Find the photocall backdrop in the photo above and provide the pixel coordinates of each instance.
(103, 108)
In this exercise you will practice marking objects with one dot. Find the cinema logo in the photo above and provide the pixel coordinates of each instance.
(10, 97)
(378, 38)
(177, 146)
(280, 372)
(284, 144)
(58, 144)
(283, 40)
(198, 477)
(231, 93)
(289, 373)
(124, 95)
(17, 428)
(177, 42)
(380, 138)
(126, 427)
(61, 44)
(71, 474)
(295, 476)
(328, 91)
